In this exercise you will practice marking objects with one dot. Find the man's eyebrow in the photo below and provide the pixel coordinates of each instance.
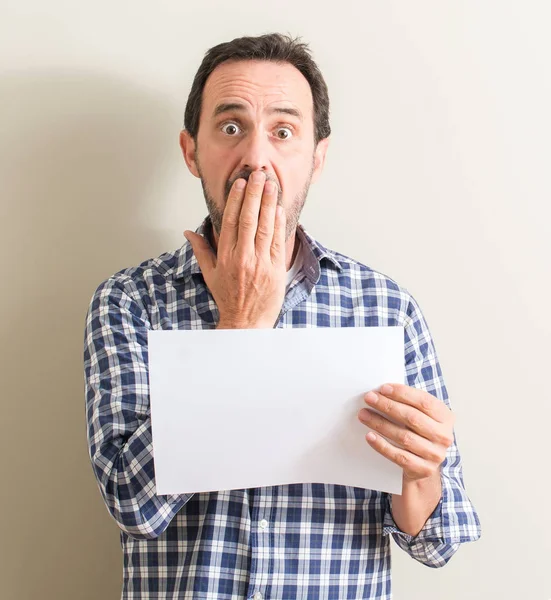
(237, 107)
(294, 112)
(228, 107)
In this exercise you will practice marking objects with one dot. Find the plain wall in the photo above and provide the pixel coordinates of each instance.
(437, 175)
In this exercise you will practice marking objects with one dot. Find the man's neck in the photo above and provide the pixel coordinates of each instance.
(291, 246)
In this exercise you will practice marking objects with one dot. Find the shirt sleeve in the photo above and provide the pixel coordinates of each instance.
(118, 412)
(454, 520)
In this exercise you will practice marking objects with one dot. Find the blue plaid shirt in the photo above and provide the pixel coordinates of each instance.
(308, 540)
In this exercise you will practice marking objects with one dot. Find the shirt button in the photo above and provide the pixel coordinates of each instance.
(257, 596)
(263, 524)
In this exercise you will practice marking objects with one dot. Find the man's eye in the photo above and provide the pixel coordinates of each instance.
(284, 133)
(230, 129)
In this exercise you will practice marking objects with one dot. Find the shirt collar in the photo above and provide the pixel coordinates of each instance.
(314, 253)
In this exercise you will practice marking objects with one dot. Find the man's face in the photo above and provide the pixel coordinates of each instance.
(256, 115)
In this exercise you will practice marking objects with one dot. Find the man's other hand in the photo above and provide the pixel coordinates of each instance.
(423, 428)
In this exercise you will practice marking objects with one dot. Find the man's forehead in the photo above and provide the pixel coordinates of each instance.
(257, 82)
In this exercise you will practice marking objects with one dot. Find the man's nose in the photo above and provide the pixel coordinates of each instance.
(256, 152)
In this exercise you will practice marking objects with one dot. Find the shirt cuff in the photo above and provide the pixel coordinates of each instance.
(432, 531)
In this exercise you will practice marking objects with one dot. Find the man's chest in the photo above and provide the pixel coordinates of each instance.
(190, 305)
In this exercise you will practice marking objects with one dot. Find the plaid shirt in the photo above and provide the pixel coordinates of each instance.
(308, 540)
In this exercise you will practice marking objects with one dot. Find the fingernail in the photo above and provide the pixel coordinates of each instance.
(371, 397)
(387, 389)
(257, 176)
(365, 414)
(240, 184)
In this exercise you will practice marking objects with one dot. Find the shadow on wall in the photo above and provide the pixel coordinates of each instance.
(78, 154)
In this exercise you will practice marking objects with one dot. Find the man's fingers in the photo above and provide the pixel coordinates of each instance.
(203, 252)
(409, 416)
(266, 220)
(248, 219)
(417, 398)
(278, 242)
(230, 220)
(402, 436)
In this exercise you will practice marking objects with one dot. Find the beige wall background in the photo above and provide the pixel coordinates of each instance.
(437, 175)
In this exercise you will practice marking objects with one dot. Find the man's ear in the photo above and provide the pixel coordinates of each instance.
(319, 158)
(188, 146)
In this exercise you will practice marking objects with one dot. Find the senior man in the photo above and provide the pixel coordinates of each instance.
(256, 135)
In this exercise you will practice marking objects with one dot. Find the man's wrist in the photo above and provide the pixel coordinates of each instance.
(418, 500)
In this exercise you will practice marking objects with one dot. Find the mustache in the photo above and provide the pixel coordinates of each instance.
(245, 174)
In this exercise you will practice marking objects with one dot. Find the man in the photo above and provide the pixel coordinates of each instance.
(256, 134)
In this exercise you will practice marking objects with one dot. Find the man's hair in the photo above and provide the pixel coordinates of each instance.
(274, 47)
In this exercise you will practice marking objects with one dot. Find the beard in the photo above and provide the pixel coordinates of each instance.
(292, 213)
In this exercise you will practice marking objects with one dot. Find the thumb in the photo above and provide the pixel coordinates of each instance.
(202, 250)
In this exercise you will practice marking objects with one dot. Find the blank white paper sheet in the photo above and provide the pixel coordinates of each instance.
(245, 408)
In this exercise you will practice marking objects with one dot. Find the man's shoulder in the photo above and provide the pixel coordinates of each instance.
(372, 288)
(155, 271)
(351, 269)
(349, 272)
